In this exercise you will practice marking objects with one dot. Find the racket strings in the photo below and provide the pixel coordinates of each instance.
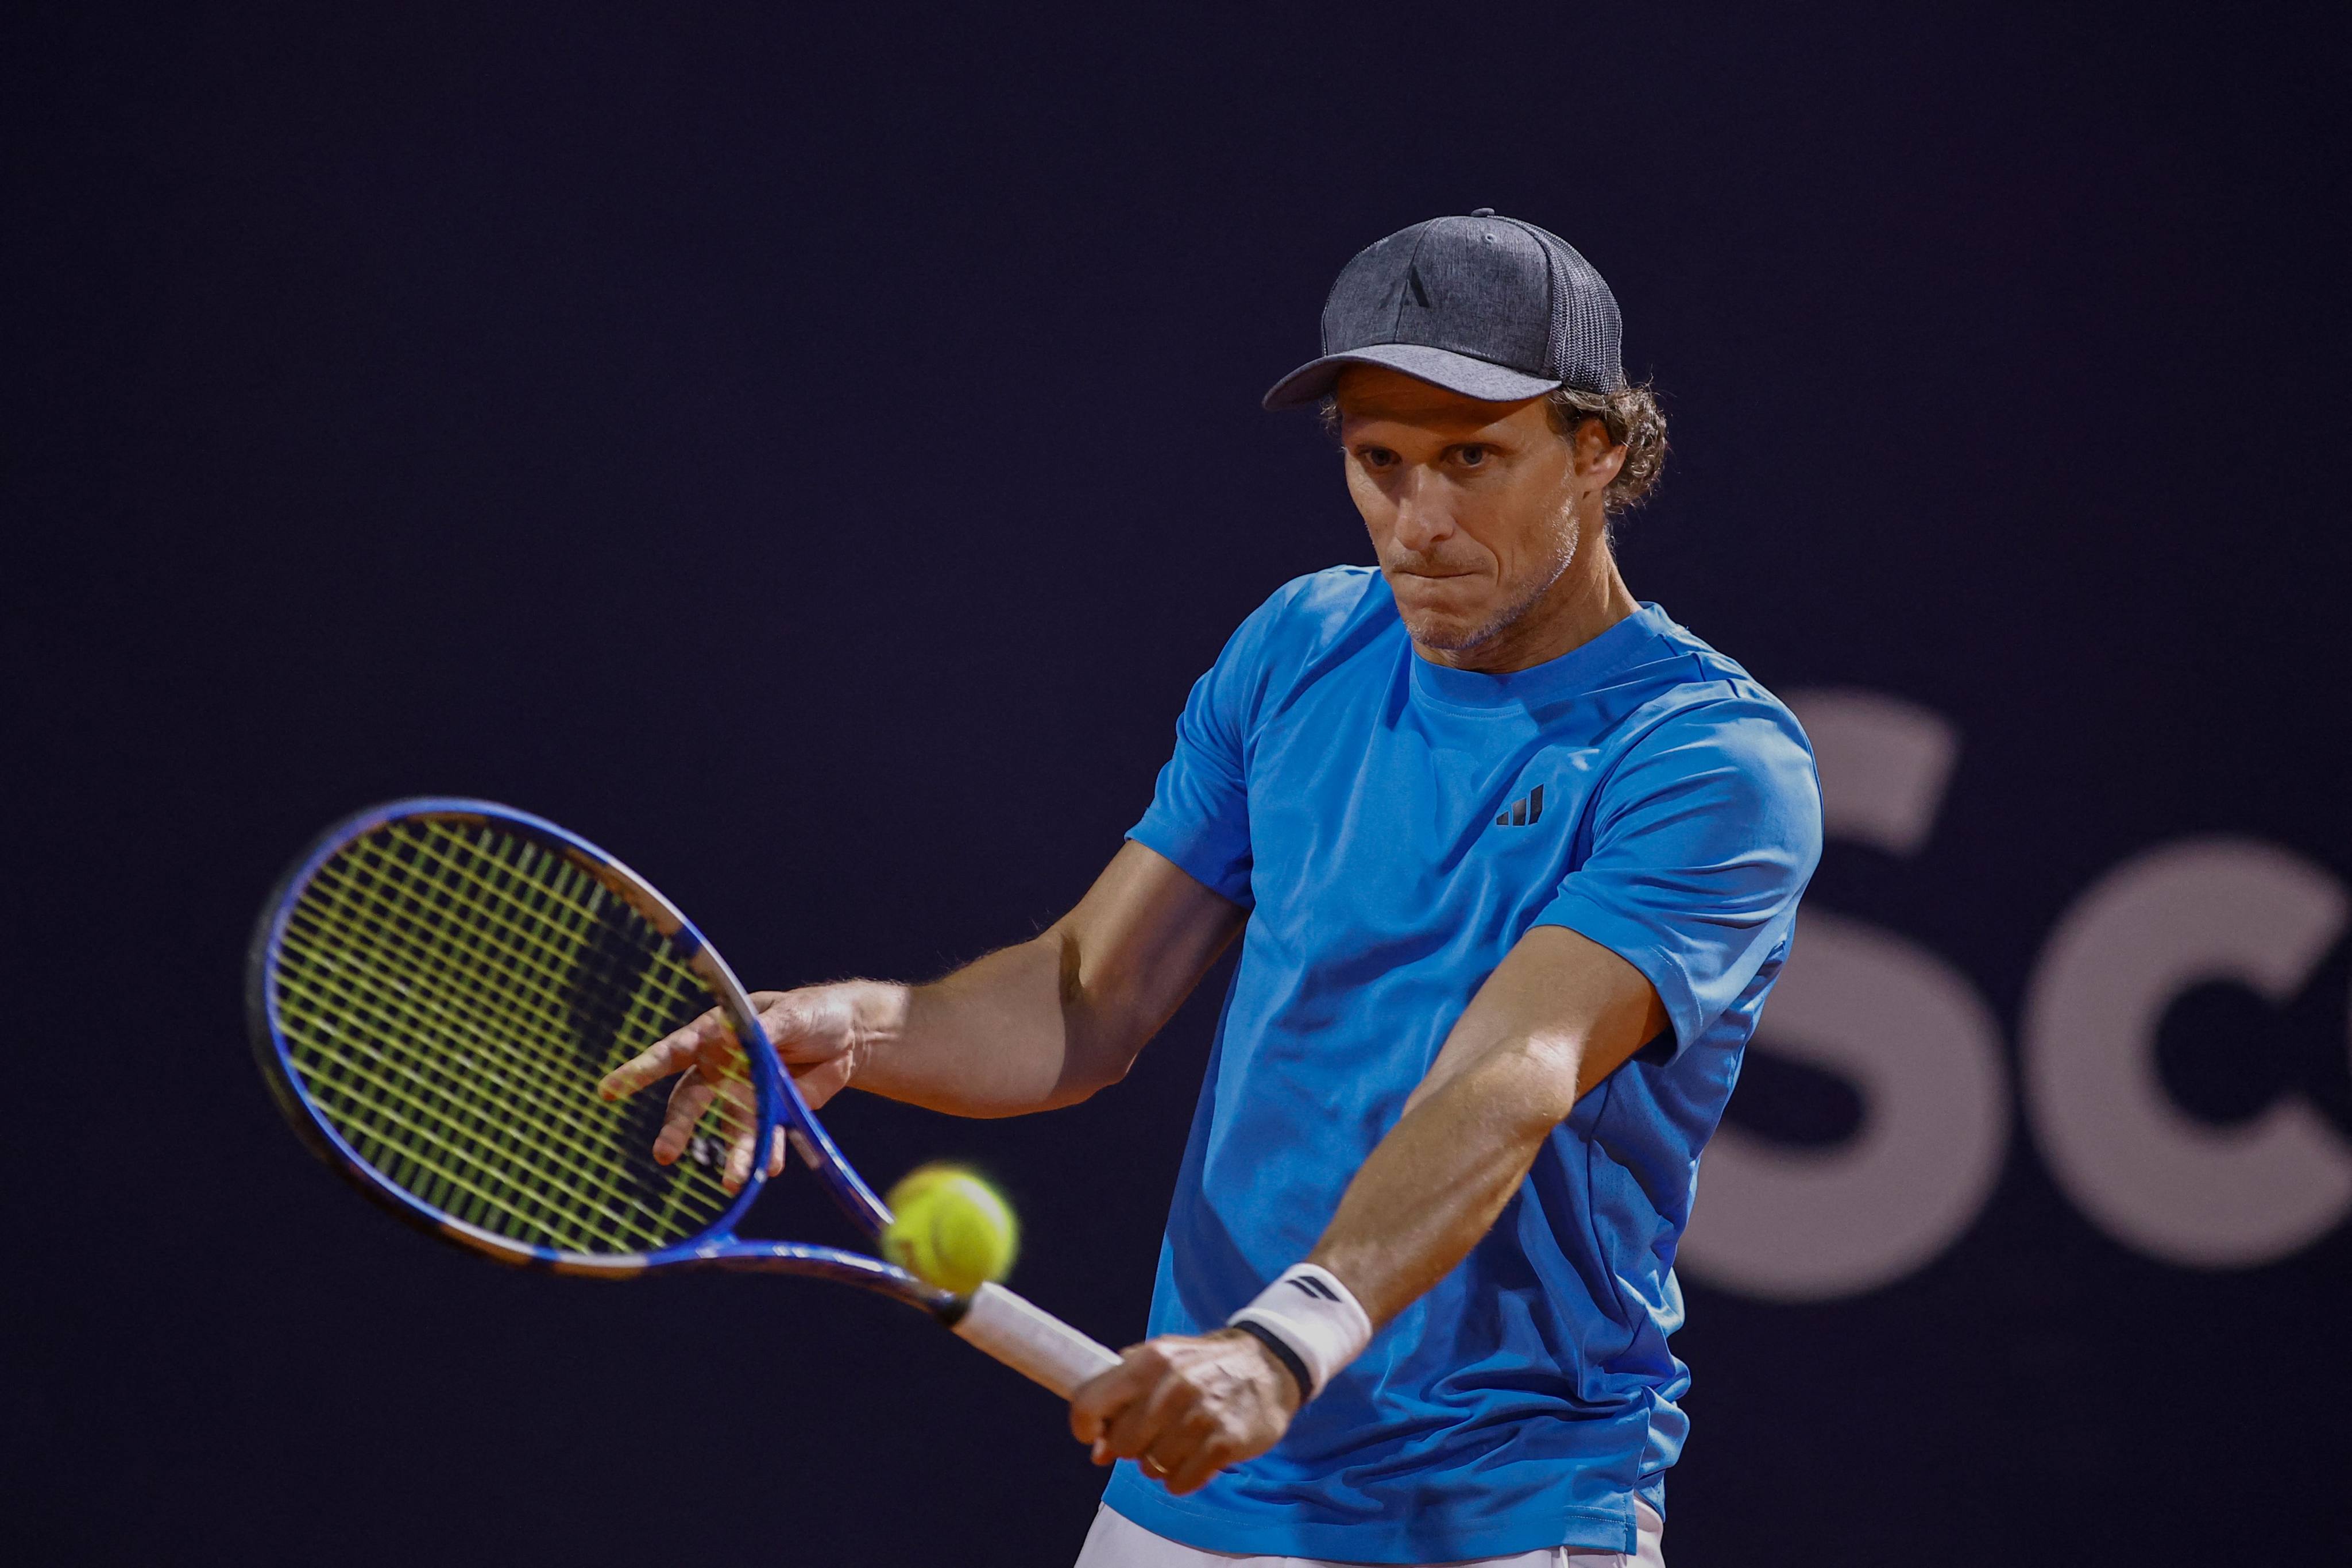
(451, 994)
(374, 1095)
(433, 1098)
(677, 1001)
(510, 992)
(570, 1095)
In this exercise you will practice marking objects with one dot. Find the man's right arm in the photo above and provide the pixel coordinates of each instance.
(1050, 1021)
(1042, 1023)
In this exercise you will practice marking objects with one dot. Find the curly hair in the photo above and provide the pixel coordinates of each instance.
(1634, 421)
(1631, 416)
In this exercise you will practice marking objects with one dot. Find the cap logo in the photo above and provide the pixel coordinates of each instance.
(1412, 281)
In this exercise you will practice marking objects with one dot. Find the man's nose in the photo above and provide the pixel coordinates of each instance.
(1424, 512)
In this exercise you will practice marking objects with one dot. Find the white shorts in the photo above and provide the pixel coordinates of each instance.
(1118, 1541)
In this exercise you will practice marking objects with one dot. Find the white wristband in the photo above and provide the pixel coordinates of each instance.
(1308, 1309)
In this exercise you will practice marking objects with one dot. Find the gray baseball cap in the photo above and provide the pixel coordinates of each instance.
(1489, 307)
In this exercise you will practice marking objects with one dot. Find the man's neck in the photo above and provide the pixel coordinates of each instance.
(1589, 598)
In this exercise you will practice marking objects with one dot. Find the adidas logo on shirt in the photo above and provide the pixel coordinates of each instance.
(1523, 811)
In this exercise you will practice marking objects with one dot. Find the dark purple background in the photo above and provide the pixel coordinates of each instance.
(811, 454)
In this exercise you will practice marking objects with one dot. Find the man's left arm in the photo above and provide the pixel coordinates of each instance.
(1558, 1014)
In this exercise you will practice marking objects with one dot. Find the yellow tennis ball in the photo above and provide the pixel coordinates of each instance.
(952, 1228)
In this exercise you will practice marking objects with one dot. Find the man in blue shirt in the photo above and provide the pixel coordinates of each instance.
(1514, 860)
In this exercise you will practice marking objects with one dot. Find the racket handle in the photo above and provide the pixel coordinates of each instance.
(1031, 1340)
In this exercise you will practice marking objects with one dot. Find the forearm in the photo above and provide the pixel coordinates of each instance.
(1006, 1034)
(1053, 1019)
(1560, 1014)
(1436, 1184)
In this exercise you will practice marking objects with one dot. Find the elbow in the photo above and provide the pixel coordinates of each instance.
(1544, 1073)
(1100, 1039)
(1524, 1088)
(1095, 1060)
(1073, 1087)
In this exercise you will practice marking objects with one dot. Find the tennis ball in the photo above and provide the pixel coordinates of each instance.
(953, 1228)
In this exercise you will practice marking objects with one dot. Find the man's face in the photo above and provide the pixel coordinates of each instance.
(1473, 507)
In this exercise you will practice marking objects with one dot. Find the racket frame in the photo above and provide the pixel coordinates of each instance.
(779, 1101)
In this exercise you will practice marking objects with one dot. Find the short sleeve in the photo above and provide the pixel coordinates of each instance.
(1200, 807)
(1704, 837)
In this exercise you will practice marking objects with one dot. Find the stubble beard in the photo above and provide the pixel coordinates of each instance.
(1450, 639)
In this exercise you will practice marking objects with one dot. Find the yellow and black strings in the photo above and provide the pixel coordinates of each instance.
(473, 1083)
(450, 994)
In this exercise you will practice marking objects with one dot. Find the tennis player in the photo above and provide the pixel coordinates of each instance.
(1514, 860)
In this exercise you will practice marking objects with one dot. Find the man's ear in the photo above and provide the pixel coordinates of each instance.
(1597, 458)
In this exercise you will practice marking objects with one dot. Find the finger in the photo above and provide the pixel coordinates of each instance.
(1191, 1454)
(1156, 1415)
(738, 1117)
(687, 1102)
(1100, 1397)
(673, 1052)
(776, 1155)
(1198, 1469)
(738, 1104)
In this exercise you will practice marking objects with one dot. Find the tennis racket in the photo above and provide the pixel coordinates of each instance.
(436, 989)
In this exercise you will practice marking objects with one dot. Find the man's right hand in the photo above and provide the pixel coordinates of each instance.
(823, 1033)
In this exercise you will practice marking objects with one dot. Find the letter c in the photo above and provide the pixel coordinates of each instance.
(2155, 1178)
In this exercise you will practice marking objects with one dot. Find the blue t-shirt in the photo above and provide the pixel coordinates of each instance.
(1394, 827)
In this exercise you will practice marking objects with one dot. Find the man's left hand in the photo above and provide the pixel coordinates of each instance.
(1185, 1406)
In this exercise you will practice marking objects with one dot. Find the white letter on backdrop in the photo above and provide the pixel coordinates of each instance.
(1907, 1029)
(2152, 1176)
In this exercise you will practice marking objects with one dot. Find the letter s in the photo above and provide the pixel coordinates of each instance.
(1905, 1028)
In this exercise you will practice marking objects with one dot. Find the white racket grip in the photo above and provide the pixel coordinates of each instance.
(1031, 1340)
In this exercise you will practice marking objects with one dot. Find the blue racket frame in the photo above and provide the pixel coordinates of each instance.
(779, 1099)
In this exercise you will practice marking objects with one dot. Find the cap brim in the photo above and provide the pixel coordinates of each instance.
(1440, 367)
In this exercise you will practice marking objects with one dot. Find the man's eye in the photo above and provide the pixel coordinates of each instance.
(1376, 457)
(1470, 456)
